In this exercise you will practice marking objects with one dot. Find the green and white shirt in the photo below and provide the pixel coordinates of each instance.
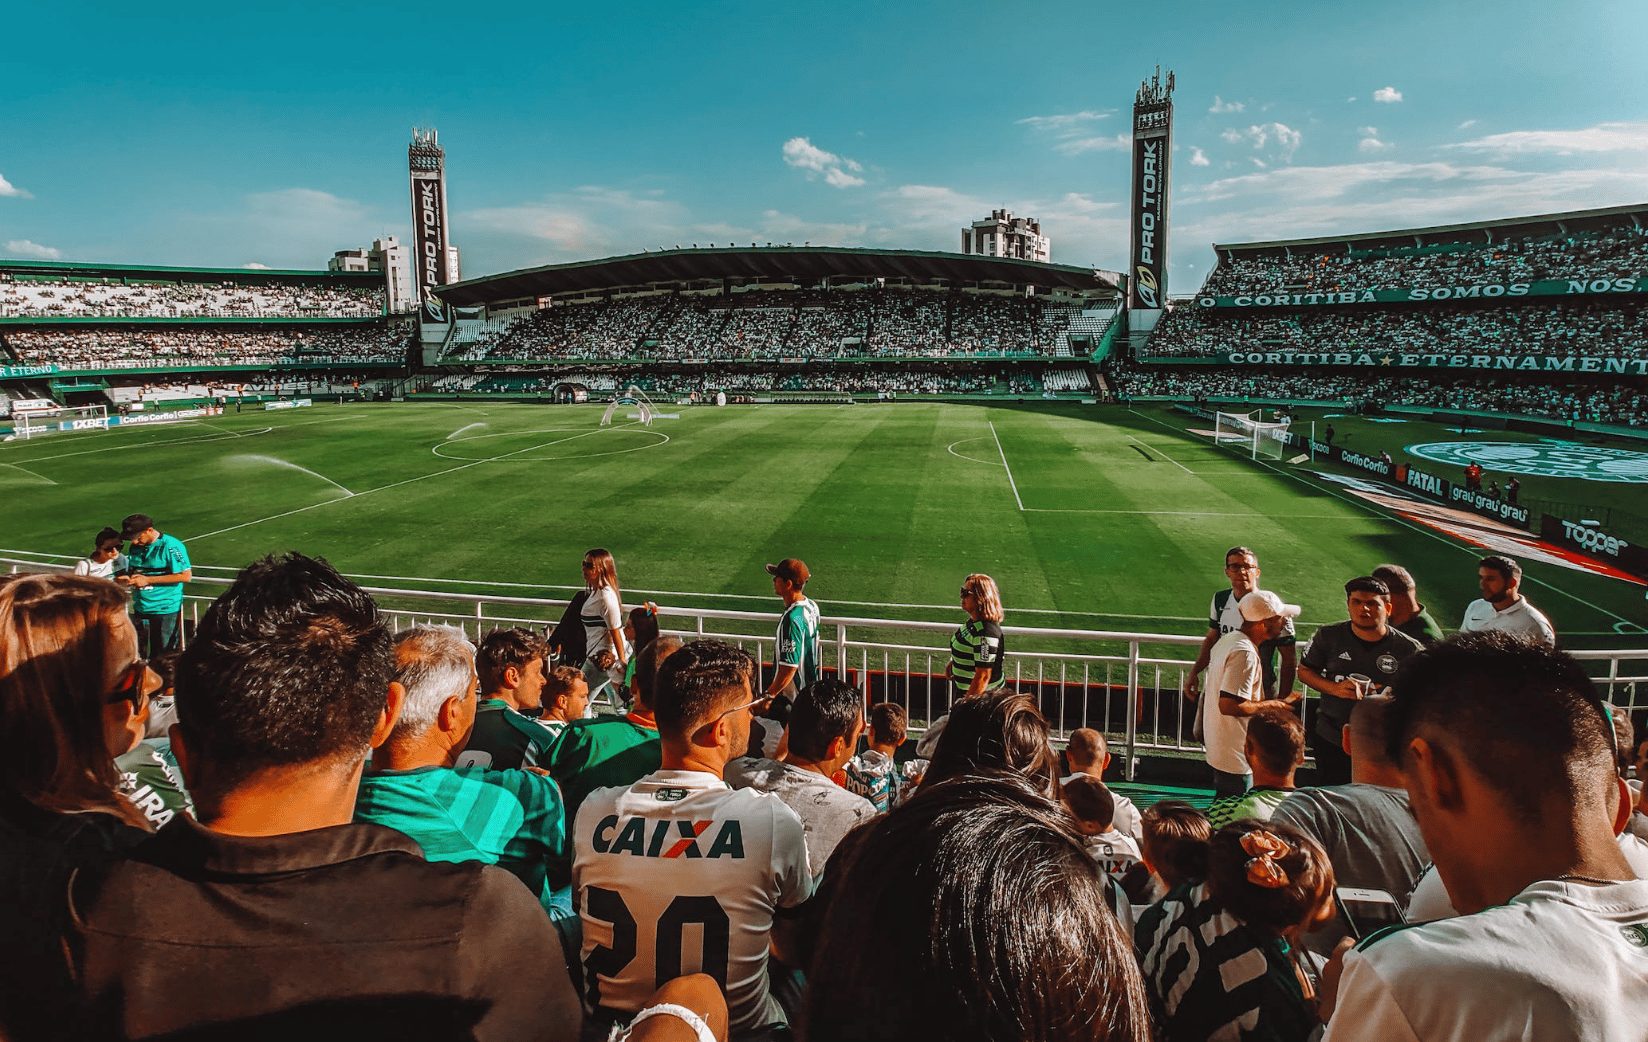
(165, 556)
(798, 641)
(977, 645)
(512, 819)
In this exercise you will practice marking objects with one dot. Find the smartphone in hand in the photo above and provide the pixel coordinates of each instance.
(1364, 912)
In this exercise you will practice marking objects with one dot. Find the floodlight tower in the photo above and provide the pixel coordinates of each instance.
(431, 236)
(1152, 149)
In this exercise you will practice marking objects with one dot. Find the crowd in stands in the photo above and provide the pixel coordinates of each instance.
(705, 380)
(417, 836)
(1612, 402)
(151, 346)
(1620, 252)
(781, 324)
(1600, 329)
(112, 298)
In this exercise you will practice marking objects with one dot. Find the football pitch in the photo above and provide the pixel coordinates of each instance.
(1088, 517)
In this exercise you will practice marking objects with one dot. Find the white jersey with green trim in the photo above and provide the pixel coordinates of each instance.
(680, 874)
(1562, 960)
(798, 643)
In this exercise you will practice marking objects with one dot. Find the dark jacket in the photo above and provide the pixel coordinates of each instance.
(339, 932)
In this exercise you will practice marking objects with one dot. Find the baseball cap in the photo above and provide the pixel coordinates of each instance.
(135, 524)
(791, 568)
(1262, 604)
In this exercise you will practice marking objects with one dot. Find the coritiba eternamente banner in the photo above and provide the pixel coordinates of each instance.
(1417, 360)
(1404, 295)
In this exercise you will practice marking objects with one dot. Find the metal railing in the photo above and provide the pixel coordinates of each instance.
(1125, 684)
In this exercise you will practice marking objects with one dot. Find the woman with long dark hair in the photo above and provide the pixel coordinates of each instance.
(73, 696)
(972, 913)
(606, 653)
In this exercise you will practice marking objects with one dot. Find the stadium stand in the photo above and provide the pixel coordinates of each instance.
(105, 348)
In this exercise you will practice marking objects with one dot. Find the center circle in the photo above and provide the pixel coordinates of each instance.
(548, 444)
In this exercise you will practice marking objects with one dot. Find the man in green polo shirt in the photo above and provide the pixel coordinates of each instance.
(511, 819)
(157, 566)
(796, 660)
(511, 667)
(612, 750)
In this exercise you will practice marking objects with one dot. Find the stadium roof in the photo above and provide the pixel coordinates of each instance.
(1551, 220)
(770, 264)
(83, 268)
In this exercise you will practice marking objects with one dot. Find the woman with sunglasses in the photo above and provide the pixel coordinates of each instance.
(73, 697)
(978, 654)
(1262, 886)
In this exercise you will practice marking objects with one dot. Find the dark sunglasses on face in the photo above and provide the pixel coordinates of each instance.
(133, 684)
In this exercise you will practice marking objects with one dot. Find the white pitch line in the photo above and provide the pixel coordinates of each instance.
(398, 484)
(1164, 455)
(30, 473)
(1377, 512)
(1010, 482)
(152, 444)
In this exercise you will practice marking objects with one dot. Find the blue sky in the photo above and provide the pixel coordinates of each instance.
(275, 133)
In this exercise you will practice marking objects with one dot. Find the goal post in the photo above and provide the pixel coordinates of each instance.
(1249, 433)
(36, 423)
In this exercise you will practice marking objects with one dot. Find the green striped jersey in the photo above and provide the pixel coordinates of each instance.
(1258, 803)
(977, 644)
(798, 641)
(502, 738)
(512, 819)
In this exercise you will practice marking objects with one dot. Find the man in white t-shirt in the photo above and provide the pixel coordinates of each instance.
(1242, 569)
(680, 873)
(1089, 756)
(1508, 759)
(1502, 608)
(1234, 678)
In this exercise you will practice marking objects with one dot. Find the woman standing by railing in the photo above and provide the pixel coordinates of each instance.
(605, 650)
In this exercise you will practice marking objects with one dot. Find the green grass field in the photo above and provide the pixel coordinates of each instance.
(1088, 517)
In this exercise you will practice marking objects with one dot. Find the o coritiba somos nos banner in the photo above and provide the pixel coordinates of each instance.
(1401, 295)
(1418, 360)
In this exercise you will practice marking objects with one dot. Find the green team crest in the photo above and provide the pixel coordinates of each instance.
(1546, 459)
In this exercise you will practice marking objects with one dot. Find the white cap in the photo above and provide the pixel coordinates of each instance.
(1262, 604)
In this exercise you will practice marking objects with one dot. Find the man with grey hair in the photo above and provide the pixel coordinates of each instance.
(512, 819)
(1407, 615)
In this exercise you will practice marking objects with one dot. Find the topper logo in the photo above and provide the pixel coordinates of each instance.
(1592, 539)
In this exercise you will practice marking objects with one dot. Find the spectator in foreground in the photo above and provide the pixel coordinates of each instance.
(998, 733)
(1275, 749)
(1089, 754)
(105, 560)
(824, 730)
(616, 749)
(978, 652)
(1174, 835)
(156, 569)
(1406, 613)
(1507, 755)
(285, 688)
(73, 694)
(1347, 662)
(512, 819)
(1366, 827)
(796, 663)
(1502, 608)
(1225, 950)
(874, 773)
(1225, 616)
(1235, 688)
(680, 847)
(923, 895)
(565, 698)
(510, 664)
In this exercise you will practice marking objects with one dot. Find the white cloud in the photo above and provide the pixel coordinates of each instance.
(1197, 156)
(25, 248)
(1222, 106)
(1076, 146)
(255, 266)
(1063, 120)
(1468, 124)
(1598, 139)
(838, 171)
(1371, 142)
(1284, 138)
(1387, 95)
(11, 191)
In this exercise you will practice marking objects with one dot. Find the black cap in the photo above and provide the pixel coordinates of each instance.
(135, 524)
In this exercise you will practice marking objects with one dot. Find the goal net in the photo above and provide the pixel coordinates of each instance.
(633, 398)
(35, 423)
(1249, 433)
